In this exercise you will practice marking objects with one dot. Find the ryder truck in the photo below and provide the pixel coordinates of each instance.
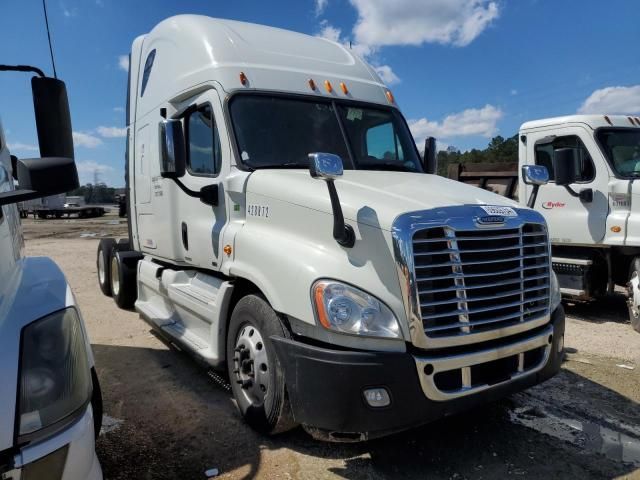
(589, 202)
(282, 227)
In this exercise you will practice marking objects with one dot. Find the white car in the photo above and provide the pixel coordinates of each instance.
(50, 400)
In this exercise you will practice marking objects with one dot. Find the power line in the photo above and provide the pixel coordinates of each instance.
(46, 21)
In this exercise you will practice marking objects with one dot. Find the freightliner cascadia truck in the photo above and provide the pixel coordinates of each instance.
(282, 227)
(589, 203)
(50, 400)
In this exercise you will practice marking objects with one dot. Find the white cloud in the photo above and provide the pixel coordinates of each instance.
(123, 62)
(88, 168)
(621, 100)
(386, 74)
(414, 22)
(118, 109)
(334, 34)
(470, 122)
(320, 6)
(111, 132)
(513, 92)
(87, 140)
(22, 147)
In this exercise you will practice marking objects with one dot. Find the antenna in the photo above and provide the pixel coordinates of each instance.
(46, 21)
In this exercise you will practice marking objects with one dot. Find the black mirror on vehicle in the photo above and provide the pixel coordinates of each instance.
(41, 177)
(173, 162)
(565, 166)
(430, 160)
(53, 121)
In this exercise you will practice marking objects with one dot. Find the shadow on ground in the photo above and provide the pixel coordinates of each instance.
(178, 423)
(612, 308)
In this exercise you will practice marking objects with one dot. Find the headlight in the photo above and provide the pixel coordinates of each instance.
(55, 378)
(556, 297)
(346, 309)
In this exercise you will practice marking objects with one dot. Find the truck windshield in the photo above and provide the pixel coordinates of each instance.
(622, 148)
(280, 132)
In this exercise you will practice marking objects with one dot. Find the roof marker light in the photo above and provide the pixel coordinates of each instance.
(312, 84)
(243, 79)
(328, 86)
(608, 121)
(389, 96)
(344, 88)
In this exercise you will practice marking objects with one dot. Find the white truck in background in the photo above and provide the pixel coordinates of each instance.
(50, 397)
(589, 203)
(282, 228)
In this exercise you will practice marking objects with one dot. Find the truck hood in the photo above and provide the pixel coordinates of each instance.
(373, 198)
(33, 289)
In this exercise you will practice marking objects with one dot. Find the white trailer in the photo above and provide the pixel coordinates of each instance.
(282, 229)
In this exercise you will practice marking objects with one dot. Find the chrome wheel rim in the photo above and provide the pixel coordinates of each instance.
(251, 365)
(101, 275)
(115, 277)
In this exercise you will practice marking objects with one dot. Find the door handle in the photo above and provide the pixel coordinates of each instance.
(185, 236)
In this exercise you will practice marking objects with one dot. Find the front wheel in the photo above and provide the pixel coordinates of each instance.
(633, 301)
(256, 376)
(103, 264)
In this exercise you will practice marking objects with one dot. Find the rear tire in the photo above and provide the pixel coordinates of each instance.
(103, 264)
(256, 376)
(123, 281)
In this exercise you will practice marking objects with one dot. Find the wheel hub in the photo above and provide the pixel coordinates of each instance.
(101, 275)
(634, 295)
(115, 276)
(251, 365)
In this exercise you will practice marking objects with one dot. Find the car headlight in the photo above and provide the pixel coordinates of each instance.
(346, 309)
(55, 377)
(554, 286)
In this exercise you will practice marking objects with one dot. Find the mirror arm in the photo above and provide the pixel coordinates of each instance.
(15, 196)
(207, 195)
(533, 197)
(342, 232)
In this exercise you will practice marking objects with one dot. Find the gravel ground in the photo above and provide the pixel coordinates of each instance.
(168, 419)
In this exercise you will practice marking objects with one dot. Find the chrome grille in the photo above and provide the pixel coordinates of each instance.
(470, 281)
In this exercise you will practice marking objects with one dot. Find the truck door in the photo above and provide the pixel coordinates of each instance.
(200, 225)
(570, 220)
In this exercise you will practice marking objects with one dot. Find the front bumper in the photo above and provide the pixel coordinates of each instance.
(74, 448)
(326, 386)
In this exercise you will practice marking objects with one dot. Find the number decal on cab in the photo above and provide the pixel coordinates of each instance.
(255, 210)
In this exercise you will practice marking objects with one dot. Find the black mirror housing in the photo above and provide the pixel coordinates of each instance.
(430, 161)
(173, 153)
(565, 165)
(41, 177)
(53, 120)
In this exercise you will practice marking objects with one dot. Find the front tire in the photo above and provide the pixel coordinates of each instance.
(256, 376)
(123, 281)
(634, 296)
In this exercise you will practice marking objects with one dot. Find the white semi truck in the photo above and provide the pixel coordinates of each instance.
(50, 400)
(589, 202)
(282, 227)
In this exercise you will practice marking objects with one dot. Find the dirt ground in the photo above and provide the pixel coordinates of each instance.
(167, 418)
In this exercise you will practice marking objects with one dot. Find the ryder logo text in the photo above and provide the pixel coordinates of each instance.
(551, 205)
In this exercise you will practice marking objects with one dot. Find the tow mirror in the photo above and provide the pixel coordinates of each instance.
(565, 166)
(535, 175)
(172, 149)
(53, 121)
(430, 160)
(328, 167)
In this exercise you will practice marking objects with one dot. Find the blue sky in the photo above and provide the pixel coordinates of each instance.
(462, 70)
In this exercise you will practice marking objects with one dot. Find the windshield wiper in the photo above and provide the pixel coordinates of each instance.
(385, 166)
(280, 165)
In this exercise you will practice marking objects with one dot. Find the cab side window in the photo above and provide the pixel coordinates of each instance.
(148, 64)
(203, 142)
(585, 168)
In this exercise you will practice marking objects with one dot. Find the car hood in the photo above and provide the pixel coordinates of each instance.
(34, 288)
(374, 198)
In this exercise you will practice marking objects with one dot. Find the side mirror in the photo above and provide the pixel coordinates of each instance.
(430, 161)
(53, 121)
(328, 167)
(325, 166)
(41, 177)
(173, 153)
(565, 166)
(535, 174)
